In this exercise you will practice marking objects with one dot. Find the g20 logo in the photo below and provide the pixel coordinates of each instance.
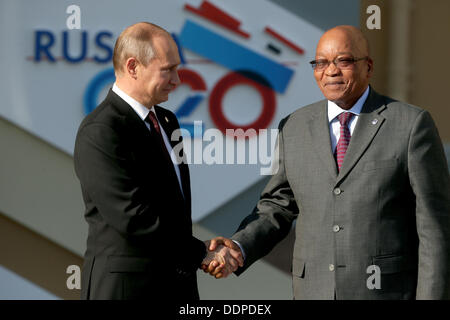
(196, 83)
(247, 68)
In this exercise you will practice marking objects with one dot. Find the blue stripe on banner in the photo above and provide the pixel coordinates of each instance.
(233, 56)
(194, 130)
(188, 106)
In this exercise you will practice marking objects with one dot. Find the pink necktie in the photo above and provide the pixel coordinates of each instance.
(344, 139)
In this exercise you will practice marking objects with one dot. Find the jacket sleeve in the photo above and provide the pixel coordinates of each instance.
(429, 179)
(271, 220)
(105, 171)
(194, 251)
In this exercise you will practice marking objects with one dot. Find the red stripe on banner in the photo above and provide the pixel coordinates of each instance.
(284, 40)
(212, 13)
(192, 78)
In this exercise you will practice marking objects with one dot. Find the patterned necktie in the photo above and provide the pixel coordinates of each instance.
(151, 119)
(344, 139)
(156, 131)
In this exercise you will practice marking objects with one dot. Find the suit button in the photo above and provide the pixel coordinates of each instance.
(337, 191)
(336, 228)
(331, 267)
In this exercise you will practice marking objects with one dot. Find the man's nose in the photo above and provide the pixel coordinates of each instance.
(175, 78)
(332, 70)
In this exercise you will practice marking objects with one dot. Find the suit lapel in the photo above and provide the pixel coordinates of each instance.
(165, 122)
(138, 130)
(369, 122)
(134, 122)
(186, 182)
(169, 127)
(320, 137)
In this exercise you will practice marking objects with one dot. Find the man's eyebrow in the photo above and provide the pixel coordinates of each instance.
(170, 66)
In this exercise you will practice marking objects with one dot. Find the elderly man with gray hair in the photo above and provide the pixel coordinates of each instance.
(367, 180)
(137, 197)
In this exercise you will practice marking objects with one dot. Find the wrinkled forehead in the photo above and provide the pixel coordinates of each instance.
(164, 45)
(337, 42)
(166, 51)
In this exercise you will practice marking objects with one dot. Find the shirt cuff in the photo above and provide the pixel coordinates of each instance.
(240, 247)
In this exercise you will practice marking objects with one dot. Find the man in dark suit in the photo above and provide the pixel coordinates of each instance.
(137, 194)
(367, 180)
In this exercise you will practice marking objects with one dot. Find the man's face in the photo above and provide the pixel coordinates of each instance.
(344, 85)
(160, 76)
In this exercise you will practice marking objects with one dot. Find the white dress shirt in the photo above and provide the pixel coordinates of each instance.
(142, 112)
(334, 110)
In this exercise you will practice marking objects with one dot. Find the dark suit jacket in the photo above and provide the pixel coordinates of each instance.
(140, 242)
(388, 206)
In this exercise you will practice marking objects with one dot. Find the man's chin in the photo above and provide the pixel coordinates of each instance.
(333, 95)
(163, 98)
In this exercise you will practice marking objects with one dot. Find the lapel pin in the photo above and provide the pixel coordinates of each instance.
(167, 120)
(374, 121)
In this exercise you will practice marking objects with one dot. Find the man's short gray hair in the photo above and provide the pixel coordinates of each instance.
(136, 41)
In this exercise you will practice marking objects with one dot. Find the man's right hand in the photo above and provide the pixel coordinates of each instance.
(229, 257)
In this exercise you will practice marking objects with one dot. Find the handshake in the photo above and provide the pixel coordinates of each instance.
(223, 257)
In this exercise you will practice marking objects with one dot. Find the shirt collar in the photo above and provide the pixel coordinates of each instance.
(139, 108)
(334, 110)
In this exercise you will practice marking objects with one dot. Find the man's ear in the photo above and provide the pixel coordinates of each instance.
(131, 67)
(369, 67)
